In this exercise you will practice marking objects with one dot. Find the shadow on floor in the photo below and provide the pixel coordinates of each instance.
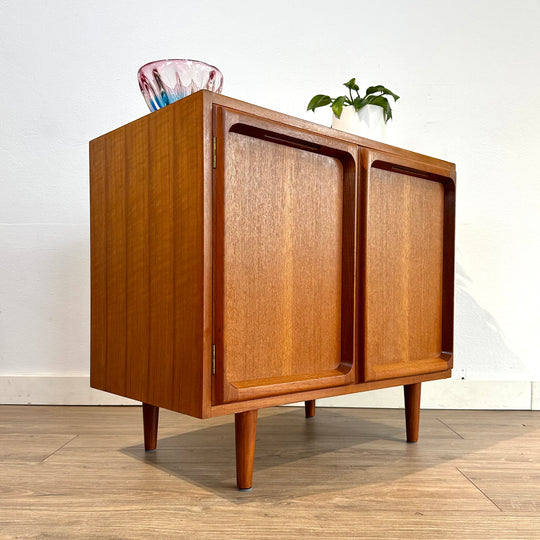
(297, 457)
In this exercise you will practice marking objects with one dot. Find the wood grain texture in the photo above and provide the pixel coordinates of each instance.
(297, 396)
(150, 426)
(404, 264)
(309, 407)
(336, 275)
(81, 472)
(245, 433)
(286, 224)
(151, 293)
(310, 129)
(98, 267)
(161, 183)
(412, 393)
(138, 261)
(116, 263)
(283, 209)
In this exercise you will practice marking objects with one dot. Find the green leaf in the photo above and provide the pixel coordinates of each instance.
(351, 85)
(320, 100)
(337, 106)
(373, 89)
(384, 91)
(359, 102)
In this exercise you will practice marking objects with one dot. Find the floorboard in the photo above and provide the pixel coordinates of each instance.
(81, 472)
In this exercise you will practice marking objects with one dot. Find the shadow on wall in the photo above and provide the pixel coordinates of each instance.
(480, 349)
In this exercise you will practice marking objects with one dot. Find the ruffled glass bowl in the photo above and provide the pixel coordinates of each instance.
(166, 81)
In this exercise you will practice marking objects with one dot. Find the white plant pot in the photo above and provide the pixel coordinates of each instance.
(368, 122)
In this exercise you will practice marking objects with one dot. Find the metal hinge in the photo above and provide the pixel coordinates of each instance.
(213, 359)
(214, 152)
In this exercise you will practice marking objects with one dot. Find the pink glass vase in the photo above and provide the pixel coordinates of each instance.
(165, 81)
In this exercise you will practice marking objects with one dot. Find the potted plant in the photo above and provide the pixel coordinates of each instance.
(362, 115)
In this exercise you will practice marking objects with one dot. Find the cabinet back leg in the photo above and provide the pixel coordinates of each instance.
(310, 408)
(150, 424)
(412, 410)
(245, 424)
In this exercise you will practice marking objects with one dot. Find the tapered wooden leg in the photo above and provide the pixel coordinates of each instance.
(245, 424)
(310, 408)
(150, 423)
(412, 410)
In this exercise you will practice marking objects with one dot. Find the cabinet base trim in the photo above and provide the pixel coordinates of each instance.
(228, 408)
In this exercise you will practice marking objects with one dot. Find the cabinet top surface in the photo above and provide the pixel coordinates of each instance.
(207, 99)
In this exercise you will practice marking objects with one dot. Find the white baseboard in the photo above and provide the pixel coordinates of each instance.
(24, 390)
(535, 398)
(443, 394)
(450, 394)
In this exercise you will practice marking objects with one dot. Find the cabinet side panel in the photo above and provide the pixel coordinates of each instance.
(116, 263)
(147, 258)
(138, 262)
(98, 267)
(161, 271)
(404, 266)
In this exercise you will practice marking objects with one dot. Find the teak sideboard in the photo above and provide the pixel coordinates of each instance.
(242, 258)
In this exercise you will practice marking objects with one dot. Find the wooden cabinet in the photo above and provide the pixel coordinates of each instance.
(242, 259)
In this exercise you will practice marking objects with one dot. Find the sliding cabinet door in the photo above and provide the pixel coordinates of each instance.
(408, 267)
(284, 259)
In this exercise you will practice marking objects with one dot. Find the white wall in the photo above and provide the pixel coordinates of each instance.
(469, 77)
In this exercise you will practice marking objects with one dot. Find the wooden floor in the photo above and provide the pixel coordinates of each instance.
(81, 472)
